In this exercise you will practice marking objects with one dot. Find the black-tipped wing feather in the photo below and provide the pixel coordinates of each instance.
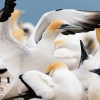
(84, 54)
(2, 71)
(87, 20)
(5, 13)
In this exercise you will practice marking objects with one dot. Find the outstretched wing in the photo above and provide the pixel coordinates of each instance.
(87, 20)
(13, 50)
(5, 13)
(41, 84)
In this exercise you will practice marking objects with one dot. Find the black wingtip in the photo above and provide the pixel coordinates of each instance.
(84, 54)
(2, 71)
(20, 76)
(96, 71)
(7, 10)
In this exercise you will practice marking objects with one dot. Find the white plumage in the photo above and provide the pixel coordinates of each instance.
(60, 85)
(22, 58)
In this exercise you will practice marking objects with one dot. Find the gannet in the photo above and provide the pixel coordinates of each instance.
(82, 72)
(85, 19)
(94, 88)
(22, 56)
(61, 84)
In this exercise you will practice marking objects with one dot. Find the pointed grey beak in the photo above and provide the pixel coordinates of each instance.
(96, 71)
(70, 27)
(84, 54)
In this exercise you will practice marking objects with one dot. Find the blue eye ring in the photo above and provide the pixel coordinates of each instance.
(64, 25)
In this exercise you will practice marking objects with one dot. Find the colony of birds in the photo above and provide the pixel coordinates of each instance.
(49, 61)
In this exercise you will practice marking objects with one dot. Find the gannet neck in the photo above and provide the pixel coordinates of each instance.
(49, 34)
(13, 24)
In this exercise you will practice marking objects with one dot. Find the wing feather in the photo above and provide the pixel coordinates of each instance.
(40, 83)
(87, 20)
(5, 13)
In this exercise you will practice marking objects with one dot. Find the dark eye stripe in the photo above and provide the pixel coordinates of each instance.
(63, 25)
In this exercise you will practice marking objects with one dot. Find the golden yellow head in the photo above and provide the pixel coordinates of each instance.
(55, 66)
(18, 34)
(55, 25)
(98, 34)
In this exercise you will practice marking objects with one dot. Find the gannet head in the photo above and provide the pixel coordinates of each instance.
(18, 34)
(98, 34)
(53, 67)
(58, 26)
(61, 26)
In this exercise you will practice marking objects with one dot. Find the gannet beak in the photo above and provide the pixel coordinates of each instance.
(97, 71)
(70, 29)
(84, 54)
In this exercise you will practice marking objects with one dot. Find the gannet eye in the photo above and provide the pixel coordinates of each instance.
(63, 25)
(26, 30)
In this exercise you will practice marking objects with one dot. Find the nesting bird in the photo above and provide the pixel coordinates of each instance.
(82, 72)
(61, 84)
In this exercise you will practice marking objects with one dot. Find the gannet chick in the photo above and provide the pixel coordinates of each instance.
(61, 84)
(94, 88)
(82, 72)
(22, 56)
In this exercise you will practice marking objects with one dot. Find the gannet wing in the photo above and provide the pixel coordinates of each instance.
(5, 13)
(13, 50)
(41, 83)
(87, 20)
